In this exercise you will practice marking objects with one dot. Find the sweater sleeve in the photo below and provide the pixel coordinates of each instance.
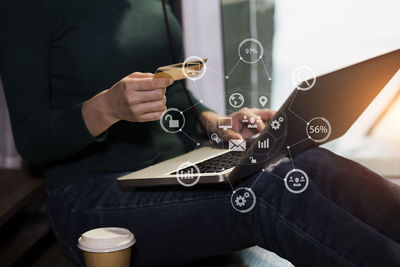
(42, 134)
(176, 98)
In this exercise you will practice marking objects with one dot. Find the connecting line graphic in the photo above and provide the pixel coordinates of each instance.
(290, 107)
(194, 141)
(302, 140)
(197, 88)
(216, 72)
(197, 144)
(266, 70)
(264, 170)
(290, 156)
(258, 178)
(234, 67)
(230, 72)
(295, 144)
(229, 181)
(195, 104)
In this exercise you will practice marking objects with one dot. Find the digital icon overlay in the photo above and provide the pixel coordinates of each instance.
(263, 100)
(225, 123)
(296, 181)
(172, 120)
(263, 144)
(277, 123)
(319, 129)
(252, 160)
(250, 50)
(243, 199)
(214, 137)
(188, 174)
(304, 78)
(194, 68)
(236, 100)
(237, 145)
(268, 143)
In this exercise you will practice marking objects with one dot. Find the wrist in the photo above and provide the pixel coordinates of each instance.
(98, 113)
(209, 120)
(106, 107)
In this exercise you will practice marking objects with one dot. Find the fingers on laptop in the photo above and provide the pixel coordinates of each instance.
(249, 117)
(265, 114)
(231, 134)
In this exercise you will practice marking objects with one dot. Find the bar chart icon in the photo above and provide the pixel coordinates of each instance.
(186, 174)
(263, 144)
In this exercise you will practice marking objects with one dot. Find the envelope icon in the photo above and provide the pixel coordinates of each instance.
(237, 145)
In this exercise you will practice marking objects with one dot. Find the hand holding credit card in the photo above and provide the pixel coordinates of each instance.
(181, 70)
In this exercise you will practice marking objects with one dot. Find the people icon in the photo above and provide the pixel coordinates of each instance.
(252, 123)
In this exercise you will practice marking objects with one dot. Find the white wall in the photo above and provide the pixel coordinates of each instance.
(203, 37)
(330, 34)
(326, 35)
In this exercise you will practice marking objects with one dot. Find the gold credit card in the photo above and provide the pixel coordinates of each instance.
(178, 71)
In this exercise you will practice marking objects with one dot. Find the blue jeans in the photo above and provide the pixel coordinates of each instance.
(348, 216)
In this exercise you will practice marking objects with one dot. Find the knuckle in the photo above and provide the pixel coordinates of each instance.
(132, 100)
(126, 96)
(153, 83)
(124, 84)
(136, 73)
(160, 105)
(133, 111)
(155, 116)
(158, 115)
(161, 93)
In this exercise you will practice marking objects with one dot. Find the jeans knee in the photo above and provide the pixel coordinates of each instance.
(320, 164)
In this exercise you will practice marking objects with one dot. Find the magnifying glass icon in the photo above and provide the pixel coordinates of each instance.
(302, 76)
(215, 138)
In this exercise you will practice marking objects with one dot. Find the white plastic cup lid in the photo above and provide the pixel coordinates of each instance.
(106, 239)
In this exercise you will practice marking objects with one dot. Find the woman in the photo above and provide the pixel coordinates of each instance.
(78, 107)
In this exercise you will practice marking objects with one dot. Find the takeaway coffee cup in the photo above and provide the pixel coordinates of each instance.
(108, 246)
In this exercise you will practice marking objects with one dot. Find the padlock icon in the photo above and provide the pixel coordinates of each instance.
(252, 160)
(171, 123)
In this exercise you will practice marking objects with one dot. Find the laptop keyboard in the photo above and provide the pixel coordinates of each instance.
(218, 163)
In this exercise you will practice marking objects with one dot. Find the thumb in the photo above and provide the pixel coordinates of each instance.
(141, 75)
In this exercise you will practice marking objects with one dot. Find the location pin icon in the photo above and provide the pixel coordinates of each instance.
(263, 100)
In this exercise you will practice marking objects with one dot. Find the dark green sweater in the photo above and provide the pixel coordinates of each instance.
(54, 55)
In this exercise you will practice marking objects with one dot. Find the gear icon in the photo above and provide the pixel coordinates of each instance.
(240, 201)
(275, 124)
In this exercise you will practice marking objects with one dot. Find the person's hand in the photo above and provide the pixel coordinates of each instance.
(248, 122)
(137, 98)
(241, 120)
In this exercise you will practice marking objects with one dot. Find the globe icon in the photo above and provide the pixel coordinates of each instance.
(236, 100)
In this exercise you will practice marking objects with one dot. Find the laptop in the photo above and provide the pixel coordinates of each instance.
(319, 110)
